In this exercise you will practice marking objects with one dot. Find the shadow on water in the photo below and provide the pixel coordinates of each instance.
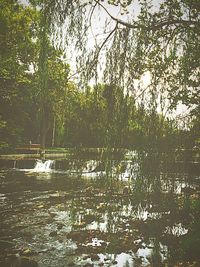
(140, 210)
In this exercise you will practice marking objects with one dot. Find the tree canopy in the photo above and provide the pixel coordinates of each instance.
(131, 39)
(162, 39)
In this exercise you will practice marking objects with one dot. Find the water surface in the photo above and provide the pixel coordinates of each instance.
(135, 213)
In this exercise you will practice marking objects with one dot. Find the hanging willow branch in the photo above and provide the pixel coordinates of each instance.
(153, 41)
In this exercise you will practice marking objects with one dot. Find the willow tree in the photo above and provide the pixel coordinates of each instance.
(52, 15)
(162, 39)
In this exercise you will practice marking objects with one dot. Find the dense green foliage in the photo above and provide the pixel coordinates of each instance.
(40, 103)
(17, 52)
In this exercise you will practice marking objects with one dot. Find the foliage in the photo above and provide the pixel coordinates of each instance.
(39, 102)
(17, 52)
(162, 40)
(104, 116)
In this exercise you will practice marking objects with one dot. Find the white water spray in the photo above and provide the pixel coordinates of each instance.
(41, 166)
(90, 166)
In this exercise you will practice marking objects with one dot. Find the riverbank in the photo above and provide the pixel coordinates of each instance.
(180, 155)
(64, 153)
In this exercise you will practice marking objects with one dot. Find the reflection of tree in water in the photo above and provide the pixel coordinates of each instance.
(128, 221)
(156, 258)
(121, 217)
(148, 209)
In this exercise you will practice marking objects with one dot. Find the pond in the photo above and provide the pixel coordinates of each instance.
(141, 211)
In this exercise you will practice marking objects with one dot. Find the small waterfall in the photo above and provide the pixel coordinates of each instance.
(41, 166)
(131, 171)
(14, 165)
(90, 166)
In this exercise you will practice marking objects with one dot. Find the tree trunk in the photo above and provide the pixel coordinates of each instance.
(53, 133)
(43, 77)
